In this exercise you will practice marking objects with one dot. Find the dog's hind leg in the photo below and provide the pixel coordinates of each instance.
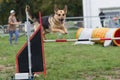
(44, 33)
(44, 37)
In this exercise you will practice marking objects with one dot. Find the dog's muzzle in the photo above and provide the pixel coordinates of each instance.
(61, 20)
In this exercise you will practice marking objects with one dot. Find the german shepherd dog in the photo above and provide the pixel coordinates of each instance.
(52, 23)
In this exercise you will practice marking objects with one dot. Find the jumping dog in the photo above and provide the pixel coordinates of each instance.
(52, 23)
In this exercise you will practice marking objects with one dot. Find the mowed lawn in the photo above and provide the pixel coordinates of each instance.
(66, 61)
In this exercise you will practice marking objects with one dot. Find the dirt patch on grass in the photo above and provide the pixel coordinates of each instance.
(114, 74)
(3, 58)
(90, 77)
(2, 67)
(7, 67)
(101, 77)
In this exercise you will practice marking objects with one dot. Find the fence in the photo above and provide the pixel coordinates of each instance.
(112, 21)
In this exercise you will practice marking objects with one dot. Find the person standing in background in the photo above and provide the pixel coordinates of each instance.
(12, 23)
(102, 17)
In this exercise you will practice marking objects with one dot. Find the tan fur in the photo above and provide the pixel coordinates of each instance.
(36, 25)
(55, 24)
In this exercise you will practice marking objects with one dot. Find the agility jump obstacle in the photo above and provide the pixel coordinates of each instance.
(30, 58)
(112, 34)
(37, 47)
(104, 36)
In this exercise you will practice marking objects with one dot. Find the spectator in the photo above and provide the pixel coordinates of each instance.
(116, 21)
(102, 17)
(12, 23)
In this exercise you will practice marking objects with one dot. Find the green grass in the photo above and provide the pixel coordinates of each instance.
(65, 61)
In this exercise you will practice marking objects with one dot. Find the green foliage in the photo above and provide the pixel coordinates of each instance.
(5, 8)
(45, 6)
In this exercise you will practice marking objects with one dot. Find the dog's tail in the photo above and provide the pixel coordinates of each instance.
(28, 12)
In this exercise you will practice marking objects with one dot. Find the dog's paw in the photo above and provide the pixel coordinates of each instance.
(66, 32)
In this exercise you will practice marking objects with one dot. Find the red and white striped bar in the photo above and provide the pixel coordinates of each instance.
(61, 40)
(73, 40)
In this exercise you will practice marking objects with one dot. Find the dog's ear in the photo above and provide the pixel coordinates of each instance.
(65, 9)
(55, 8)
(27, 8)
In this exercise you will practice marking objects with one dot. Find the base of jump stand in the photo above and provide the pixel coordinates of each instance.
(22, 76)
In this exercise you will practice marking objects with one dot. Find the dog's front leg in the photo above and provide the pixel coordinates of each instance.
(65, 30)
(57, 30)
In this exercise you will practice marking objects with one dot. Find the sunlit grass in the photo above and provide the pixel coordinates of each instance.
(65, 61)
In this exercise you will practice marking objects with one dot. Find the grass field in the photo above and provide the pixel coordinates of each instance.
(65, 61)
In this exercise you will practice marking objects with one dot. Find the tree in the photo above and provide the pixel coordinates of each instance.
(45, 6)
(4, 10)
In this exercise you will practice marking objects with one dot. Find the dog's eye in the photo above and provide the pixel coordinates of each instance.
(58, 14)
(63, 14)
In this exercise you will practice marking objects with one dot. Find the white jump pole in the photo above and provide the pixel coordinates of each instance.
(29, 49)
(73, 40)
(28, 75)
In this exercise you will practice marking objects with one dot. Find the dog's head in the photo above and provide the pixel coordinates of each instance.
(60, 15)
